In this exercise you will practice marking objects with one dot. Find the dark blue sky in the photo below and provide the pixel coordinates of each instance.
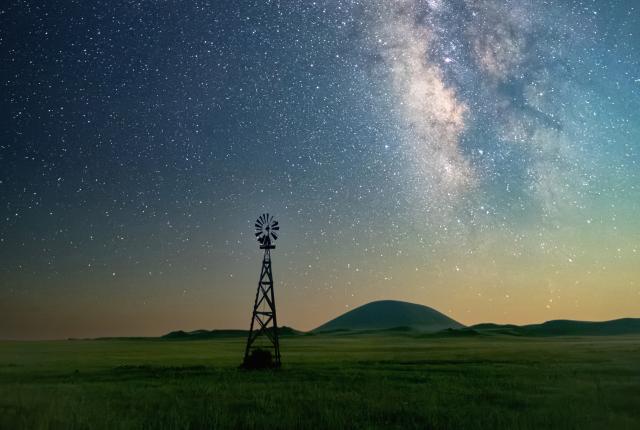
(480, 157)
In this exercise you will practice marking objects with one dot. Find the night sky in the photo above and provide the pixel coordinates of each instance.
(481, 157)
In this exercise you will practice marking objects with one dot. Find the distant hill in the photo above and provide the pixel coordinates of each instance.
(217, 334)
(565, 328)
(388, 314)
(202, 334)
(410, 319)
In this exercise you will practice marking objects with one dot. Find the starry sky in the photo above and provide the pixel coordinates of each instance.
(481, 157)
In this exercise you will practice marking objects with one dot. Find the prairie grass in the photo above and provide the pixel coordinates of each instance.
(370, 381)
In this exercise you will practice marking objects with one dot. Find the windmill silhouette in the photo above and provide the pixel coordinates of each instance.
(263, 333)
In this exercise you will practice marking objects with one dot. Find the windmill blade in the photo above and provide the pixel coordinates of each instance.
(275, 228)
(275, 236)
(258, 233)
(258, 225)
(275, 223)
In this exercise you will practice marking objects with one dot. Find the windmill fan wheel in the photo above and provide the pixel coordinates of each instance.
(266, 229)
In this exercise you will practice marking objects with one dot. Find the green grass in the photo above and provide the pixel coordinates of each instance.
(368, 381)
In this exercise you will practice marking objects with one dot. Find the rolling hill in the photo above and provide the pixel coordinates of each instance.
(388, 314)
(217, 334)
(403, 318)
(565, 328)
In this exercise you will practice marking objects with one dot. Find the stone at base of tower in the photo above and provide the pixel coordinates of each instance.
(259, 359)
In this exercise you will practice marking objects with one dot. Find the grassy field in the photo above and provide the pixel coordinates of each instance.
(331, 381)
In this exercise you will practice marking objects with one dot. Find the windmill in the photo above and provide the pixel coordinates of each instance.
(263, 333)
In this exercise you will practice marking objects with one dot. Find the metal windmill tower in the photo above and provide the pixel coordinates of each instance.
(263, 334)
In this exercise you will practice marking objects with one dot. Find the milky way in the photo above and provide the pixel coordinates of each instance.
(426, 105)
(480, 157)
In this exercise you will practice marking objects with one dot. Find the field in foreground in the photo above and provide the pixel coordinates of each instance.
(328, 381)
